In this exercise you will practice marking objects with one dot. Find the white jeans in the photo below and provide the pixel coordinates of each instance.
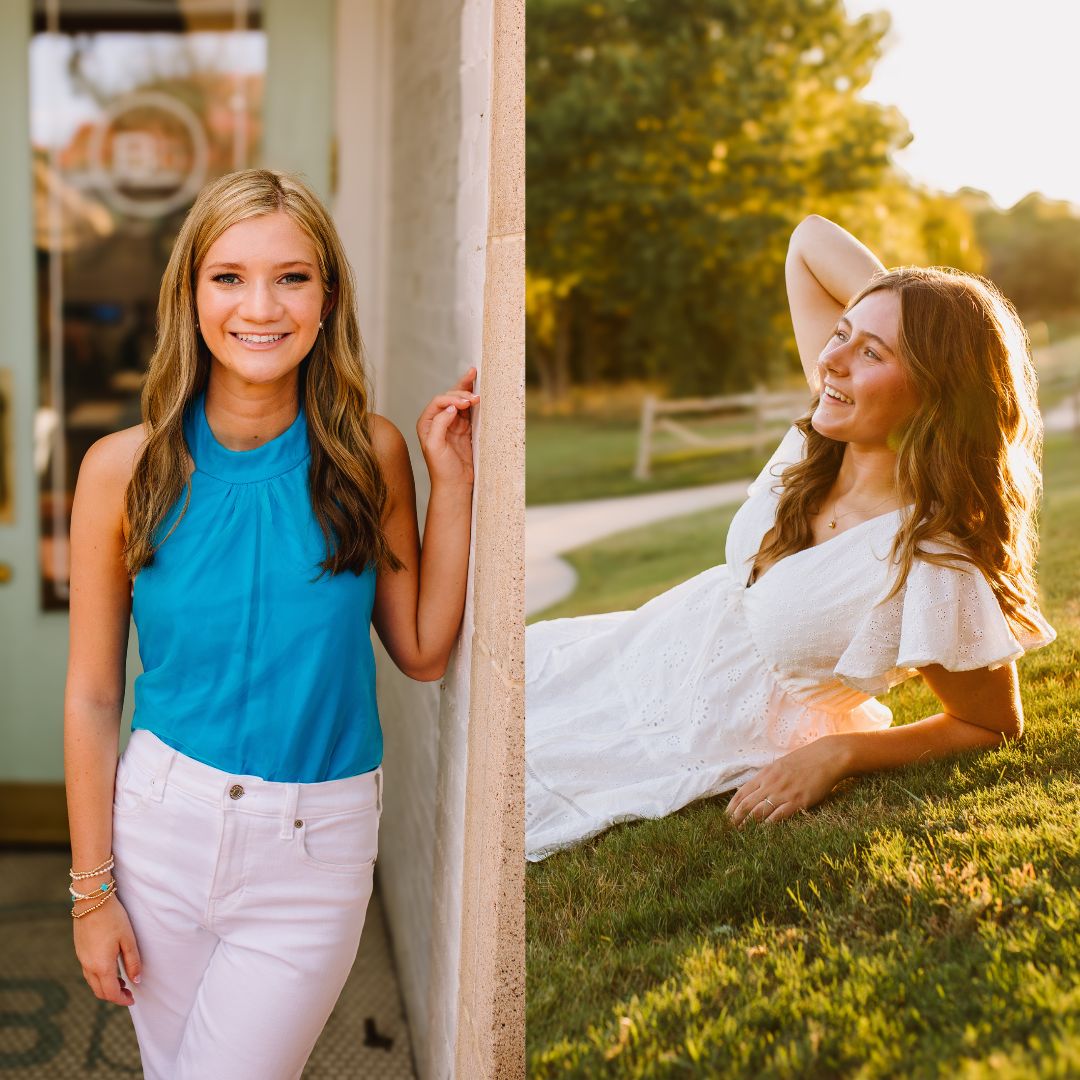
(247, 898)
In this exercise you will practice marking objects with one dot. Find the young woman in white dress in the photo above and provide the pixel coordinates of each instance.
(892, 533)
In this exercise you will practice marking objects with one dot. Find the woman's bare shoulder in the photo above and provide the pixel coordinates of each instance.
(112, 457)
(107, 467)
(386, 440)
(114, 454)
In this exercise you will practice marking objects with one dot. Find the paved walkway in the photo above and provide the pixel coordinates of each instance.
(550, 531)
(1065, 416)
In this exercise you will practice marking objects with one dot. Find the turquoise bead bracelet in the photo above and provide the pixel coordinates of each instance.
(90, 896)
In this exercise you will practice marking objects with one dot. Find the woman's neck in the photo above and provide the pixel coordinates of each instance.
(243, 418)
(866, 475)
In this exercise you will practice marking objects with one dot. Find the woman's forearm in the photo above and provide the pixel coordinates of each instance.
(91, 741)
(444, 573)
(839, 262)
(936, 736)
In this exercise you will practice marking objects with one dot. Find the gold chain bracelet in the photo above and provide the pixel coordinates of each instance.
(79, 914)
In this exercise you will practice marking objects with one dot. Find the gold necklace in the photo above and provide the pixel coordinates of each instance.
(836, 517)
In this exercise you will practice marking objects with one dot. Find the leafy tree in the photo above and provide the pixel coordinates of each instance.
(671, 148)
(1032, 252)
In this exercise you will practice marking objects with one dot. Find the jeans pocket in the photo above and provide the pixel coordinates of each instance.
(129, 792)
(345, 843)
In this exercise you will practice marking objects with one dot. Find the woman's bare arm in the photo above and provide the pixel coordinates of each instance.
(100, 615)
(826, 266)
(418, 609)
(981, 710)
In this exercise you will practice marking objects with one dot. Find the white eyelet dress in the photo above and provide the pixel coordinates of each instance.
(634, 714)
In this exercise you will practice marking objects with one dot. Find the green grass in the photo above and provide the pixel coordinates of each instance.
(625, 570)
(923, 922)
(572, 458)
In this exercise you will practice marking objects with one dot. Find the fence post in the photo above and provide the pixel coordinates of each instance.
(760, 405)
(644, 450)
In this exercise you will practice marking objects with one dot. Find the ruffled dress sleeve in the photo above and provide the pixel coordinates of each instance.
(945, 615)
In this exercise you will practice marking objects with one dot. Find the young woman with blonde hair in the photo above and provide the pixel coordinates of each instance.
(256, 525)
(893, 532)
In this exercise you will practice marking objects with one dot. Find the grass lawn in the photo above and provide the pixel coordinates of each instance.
(921, 923)
(572, 458)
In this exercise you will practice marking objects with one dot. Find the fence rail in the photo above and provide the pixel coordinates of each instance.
(766, 409)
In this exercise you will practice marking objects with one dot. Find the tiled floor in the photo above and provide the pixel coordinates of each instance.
(53, 1028)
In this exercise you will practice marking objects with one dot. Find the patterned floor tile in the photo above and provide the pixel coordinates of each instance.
(53, 1028)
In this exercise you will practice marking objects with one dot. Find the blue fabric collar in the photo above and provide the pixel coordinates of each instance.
(279, 455)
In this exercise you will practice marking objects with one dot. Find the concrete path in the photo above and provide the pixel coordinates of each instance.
(553, 530)
(1064, 416)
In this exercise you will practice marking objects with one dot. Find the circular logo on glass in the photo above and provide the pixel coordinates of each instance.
(149, 154)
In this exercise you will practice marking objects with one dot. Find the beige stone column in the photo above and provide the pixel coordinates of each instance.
(491, 997)
(432, 177)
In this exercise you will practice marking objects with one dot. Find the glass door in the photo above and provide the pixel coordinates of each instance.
(134, 106)
(113, 113)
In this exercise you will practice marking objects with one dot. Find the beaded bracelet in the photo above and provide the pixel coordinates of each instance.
(91, 895)
(106, 865)
(79, 914)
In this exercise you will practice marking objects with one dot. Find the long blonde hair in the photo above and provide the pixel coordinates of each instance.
(348, 492)
(968, 460)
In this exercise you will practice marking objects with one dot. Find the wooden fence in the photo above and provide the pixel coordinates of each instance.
(766, 409)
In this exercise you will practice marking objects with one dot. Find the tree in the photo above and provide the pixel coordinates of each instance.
(1033, 253)
(671, 148)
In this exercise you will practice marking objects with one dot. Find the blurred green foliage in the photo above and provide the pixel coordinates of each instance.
(671, 149)
(1032, 252)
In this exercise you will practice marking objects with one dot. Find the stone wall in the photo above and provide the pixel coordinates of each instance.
(491, 1012)
(416, 81)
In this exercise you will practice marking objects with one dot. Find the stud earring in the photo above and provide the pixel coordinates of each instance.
(320, 325)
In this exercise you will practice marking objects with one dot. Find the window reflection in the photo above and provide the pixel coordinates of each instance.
(135, 105)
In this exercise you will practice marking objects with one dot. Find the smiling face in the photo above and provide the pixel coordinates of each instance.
(866, 395)
(259, 297)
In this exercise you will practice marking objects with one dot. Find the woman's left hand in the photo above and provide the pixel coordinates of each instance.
(789, 785)
(445, 433)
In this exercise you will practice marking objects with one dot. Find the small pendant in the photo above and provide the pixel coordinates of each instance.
(832, 524)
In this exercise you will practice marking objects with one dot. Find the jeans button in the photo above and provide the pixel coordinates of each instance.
(297, 823)
(235, 791)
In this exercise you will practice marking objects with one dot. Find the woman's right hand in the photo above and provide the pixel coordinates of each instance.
(100, 938)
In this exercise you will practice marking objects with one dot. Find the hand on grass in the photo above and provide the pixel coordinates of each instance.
(790, 785)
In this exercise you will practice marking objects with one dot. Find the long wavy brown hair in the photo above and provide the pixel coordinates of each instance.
(348, 492)
(969, 461)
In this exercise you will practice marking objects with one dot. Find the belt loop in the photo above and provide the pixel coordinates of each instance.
(162, 765)
(288, 816)
(378, 788)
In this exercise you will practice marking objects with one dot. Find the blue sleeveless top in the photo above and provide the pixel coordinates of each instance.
(248, 665)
